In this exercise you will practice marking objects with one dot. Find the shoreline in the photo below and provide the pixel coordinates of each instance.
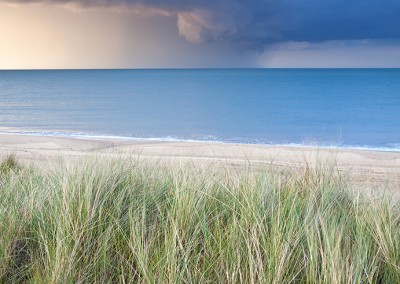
(372, 167)
(88, 136)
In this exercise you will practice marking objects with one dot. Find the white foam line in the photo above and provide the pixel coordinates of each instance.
(111, 137)
(175, 139)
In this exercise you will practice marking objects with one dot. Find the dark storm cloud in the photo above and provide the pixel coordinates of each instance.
(256, 23)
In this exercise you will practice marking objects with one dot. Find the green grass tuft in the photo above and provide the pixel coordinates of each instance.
(9, 164)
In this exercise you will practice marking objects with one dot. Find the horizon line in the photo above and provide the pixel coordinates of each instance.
(189, 68)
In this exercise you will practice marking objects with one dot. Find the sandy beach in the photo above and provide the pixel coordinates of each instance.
(372, 167)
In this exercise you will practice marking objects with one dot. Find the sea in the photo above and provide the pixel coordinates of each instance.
(345, 108)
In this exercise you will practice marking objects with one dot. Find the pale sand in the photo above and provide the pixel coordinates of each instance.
(373, 167)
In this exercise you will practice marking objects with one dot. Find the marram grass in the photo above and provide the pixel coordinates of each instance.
(108, 221)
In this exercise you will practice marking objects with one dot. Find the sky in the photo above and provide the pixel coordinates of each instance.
(58, 34)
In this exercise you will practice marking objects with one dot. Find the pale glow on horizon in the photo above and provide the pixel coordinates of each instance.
(335, 54)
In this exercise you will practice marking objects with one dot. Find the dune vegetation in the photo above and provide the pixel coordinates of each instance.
(127, 221)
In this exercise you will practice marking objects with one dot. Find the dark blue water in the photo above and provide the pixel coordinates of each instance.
(327, 107)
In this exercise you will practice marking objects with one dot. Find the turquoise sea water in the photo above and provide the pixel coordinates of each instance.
(325, 107)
